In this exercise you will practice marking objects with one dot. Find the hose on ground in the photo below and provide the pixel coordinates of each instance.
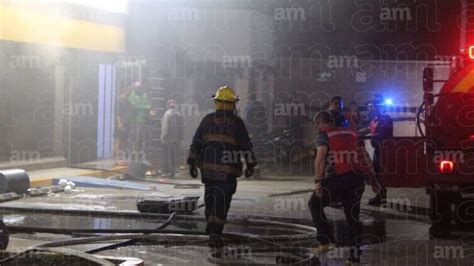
(283, 256)
(141, 232)
(155, 238)
(131, 241)
(162, 238)
(308, 235)
(217, 256)
(178, 217)
(62, 251)
(274, 243)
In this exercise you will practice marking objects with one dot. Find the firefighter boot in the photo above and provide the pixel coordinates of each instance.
(214, 228)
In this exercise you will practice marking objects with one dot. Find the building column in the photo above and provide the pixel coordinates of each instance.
(59, 107)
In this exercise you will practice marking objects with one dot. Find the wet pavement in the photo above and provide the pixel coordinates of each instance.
(395, 234)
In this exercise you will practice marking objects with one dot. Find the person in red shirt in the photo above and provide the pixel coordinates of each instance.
(341, 166)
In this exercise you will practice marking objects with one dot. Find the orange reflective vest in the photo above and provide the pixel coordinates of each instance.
(345, 154)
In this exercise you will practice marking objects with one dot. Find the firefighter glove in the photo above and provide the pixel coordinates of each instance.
(193, 171)
(249, 171)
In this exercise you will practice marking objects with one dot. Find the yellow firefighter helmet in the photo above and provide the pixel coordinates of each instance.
(225, 94)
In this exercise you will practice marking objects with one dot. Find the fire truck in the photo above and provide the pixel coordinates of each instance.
(442, 158)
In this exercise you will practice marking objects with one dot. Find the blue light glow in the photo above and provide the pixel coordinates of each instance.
(388, 101)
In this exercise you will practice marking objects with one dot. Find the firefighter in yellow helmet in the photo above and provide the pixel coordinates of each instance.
(220, 141)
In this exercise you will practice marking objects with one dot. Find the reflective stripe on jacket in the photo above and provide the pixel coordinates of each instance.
(218, 146)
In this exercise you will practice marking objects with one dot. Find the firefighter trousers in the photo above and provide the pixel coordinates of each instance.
(347, 189)
(217, 198)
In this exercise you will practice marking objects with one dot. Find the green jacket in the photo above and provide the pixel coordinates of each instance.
(140, 104)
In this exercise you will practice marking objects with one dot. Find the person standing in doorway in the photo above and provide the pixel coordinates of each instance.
(122, 128)
(171, 136)
(140, 106)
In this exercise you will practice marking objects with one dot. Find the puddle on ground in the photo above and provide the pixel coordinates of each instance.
(374, 232)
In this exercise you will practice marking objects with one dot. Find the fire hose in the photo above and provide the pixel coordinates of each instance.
(275, 244)
(132, 241)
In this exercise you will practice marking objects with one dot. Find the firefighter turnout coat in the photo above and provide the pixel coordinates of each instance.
(218, 146)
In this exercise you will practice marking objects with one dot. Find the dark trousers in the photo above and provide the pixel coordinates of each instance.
(347, 189)
(169, 152)
(377, 168)
(217, 198)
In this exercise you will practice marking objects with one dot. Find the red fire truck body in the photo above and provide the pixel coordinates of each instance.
(442, 160)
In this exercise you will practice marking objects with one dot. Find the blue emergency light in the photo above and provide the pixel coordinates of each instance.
(388, 102)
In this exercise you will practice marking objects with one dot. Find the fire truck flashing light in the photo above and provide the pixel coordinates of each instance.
(446, 167)
(471, 52)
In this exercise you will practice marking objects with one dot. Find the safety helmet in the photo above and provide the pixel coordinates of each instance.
(225, 94)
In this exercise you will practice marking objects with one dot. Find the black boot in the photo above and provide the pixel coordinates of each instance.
(214, 229)
(216, 241)
(354, 256)
(379, 199)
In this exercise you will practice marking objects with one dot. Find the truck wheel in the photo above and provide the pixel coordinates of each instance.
(440, 214)
(464, 215)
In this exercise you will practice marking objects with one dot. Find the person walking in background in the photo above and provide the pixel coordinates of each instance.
(336, 105)
(381, 128)
(172, 125)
